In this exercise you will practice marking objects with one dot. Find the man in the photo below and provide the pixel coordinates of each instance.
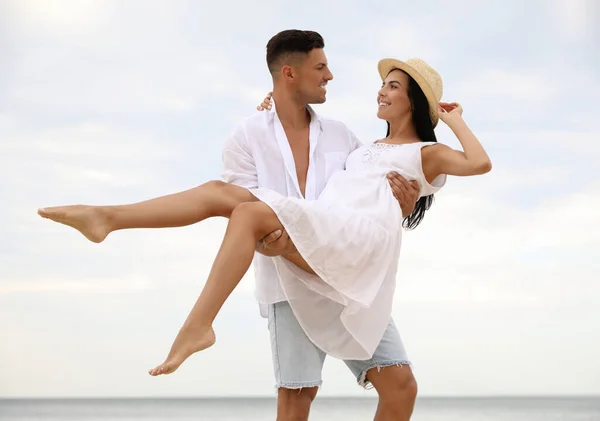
(294, 151)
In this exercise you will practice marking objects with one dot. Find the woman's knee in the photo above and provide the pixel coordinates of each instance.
(255, 216)
(216, 184)
(224, 197)
(246, 210)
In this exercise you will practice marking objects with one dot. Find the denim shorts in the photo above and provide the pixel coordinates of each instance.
(298, 363)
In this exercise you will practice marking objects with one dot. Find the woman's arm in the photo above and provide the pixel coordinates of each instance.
(441, 159)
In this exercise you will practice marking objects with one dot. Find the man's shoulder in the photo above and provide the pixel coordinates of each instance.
(335, 127)
(332, 123)
(256, 121)
(251, 124)
(332, 126)
(257, 118)
(338, 129)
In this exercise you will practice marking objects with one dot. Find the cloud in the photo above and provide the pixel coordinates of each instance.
(576, 18)
(478, 249)
(129, 283)
(105, 102)
(77, 19)
(111, 59)
(501, 86)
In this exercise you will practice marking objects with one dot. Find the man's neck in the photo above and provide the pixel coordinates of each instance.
(291, 112)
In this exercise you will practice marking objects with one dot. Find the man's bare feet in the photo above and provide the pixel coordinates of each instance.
(189, 340)
(91, 221)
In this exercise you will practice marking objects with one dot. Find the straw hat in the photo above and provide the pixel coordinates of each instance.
(426, 77)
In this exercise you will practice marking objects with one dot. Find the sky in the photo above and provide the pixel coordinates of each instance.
(108, 102)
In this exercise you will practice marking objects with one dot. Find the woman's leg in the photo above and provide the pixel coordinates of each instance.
(214, 198)
(248, 223)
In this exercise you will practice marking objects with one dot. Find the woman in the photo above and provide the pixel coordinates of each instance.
(340, 283)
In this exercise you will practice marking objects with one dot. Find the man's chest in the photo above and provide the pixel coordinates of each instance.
(295, 162)
(300, 145)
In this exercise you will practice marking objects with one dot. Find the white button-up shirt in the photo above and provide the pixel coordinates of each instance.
(258, 154)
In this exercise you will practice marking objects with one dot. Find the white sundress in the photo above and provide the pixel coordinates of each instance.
(350, 236)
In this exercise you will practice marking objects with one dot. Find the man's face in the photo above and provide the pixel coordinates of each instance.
(312, 77)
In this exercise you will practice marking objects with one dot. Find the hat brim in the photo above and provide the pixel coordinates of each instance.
(386, 65)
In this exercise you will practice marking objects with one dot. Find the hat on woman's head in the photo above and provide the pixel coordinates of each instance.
(428, 79)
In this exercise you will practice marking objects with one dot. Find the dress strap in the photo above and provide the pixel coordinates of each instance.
(439, 182)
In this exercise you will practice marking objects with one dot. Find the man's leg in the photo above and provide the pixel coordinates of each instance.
(297, 364)
(389, 372)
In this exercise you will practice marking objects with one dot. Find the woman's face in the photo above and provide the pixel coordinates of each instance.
(392, 98)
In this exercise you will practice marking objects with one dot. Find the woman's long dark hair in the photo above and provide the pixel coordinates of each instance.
(424, 127)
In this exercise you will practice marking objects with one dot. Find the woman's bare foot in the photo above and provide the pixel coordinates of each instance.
(188, 341)
(91, 221)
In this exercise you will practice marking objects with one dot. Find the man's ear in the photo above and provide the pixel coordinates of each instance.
(287, 72)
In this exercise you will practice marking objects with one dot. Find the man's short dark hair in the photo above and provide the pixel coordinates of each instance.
(289, 46)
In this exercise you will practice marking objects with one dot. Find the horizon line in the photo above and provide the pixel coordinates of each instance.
(216, 397)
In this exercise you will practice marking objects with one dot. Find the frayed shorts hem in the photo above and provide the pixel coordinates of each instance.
(362, 377)
(298, 385)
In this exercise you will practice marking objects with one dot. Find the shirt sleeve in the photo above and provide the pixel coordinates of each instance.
(354, 142)
(239, 167)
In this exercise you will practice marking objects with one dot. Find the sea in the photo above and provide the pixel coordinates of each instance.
(324, 408)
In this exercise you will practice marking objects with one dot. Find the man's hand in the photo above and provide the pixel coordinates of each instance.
(405, 192)
(275, 244)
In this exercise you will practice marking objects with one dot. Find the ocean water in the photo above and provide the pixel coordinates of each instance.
(330, 409)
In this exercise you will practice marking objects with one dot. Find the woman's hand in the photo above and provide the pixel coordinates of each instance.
(450, 112)
(472, 160)
(266, 104)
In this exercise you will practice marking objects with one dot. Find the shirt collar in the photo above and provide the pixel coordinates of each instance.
(314, 116)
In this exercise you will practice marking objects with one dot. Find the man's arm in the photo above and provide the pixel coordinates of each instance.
(405, 192)
(239, 168)
(353, 140)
